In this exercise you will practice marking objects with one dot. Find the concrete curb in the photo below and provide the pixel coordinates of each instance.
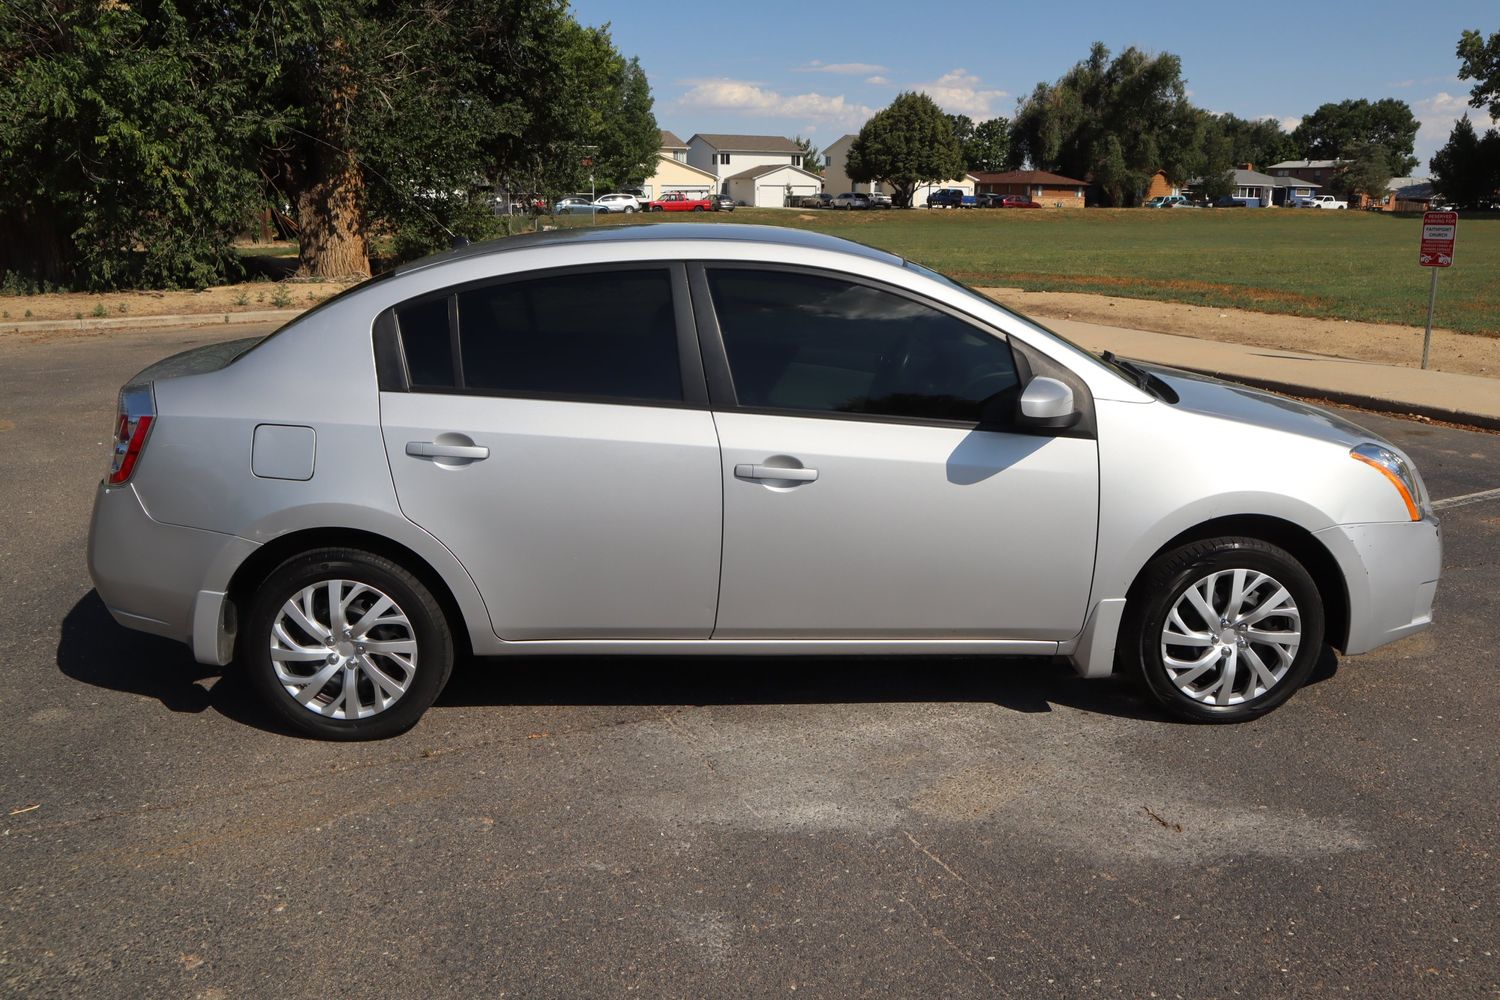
(151, 322)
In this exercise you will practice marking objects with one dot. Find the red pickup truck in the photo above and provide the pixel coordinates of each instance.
(676, 201)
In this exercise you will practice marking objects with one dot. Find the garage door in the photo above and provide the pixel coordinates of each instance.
(770, 196)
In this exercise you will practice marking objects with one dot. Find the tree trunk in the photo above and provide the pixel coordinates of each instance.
(331, 218)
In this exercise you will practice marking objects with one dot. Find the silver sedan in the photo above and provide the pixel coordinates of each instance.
(733, 440)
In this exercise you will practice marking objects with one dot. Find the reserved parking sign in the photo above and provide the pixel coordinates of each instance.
(1439, 229)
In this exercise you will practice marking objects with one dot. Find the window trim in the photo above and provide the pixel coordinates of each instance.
(722, 396)
(394, 375)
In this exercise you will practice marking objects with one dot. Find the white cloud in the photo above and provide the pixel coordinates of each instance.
(1288, 123)
(843, 69)
(1435, 118)
(960, 92)
(878, 81)
(750, 98)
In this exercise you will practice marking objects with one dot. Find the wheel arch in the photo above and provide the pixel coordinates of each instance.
(264, 560)
(1295, 539)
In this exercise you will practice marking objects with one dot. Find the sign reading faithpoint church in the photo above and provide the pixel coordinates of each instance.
(1439, 229)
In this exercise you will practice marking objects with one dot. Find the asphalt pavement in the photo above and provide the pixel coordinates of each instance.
(947, 827)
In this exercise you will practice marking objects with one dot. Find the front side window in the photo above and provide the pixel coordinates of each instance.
(814, 343)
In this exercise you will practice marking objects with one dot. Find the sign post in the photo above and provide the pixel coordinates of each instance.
(1439, 231)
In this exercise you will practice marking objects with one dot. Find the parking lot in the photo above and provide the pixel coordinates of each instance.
(725, 827)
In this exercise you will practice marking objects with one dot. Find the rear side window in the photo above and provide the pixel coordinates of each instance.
(603, 333)
(808, 342)
(597, 334)
(426, 342)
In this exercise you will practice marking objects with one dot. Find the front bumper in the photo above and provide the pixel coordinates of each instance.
(1391, 570)
(160, 578)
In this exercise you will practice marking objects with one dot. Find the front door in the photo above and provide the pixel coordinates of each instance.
(861, 499)
(546, 440)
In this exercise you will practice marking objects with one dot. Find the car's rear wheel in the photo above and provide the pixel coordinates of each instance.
(628, 209)
(1223, 630)
(346, 645)
(697, 208)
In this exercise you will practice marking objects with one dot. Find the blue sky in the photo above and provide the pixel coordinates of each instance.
(821, 70)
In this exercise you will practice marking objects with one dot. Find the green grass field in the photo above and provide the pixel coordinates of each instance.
(1344, 265)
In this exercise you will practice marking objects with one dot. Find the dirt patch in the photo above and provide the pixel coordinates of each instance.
(252, 295)
(1390, 345)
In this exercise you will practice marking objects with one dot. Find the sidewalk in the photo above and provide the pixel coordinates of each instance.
(1464, 399)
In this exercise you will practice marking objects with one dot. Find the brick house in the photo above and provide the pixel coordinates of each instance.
(1052, 190)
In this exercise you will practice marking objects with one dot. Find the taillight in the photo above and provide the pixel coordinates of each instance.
(137, 411)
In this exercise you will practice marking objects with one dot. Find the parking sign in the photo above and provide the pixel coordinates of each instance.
(1438, 232)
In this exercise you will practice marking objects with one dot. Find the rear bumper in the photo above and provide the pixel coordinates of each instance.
(1391, 571)
(160, 578)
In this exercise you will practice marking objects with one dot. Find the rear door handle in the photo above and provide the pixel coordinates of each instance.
(775, 472)
(431, 449)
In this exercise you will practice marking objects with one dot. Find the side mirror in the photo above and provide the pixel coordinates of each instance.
(1048, 403)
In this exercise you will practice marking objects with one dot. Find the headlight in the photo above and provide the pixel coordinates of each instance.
(1397, 470)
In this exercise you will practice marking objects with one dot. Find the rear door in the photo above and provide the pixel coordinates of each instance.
(862, 496)
(552, 430)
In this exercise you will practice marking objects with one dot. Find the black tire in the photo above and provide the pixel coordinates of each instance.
(429, 627)
(1167, 578)
(697, 208)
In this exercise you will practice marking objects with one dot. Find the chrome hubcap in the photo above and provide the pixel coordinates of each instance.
(343, 649)
(1231, 637)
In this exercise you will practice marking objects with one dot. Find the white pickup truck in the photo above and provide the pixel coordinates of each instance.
(1324, 201)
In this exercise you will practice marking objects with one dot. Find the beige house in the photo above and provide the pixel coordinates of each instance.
(674, 173)
(775, 185)
(836, 177)
(727, 155)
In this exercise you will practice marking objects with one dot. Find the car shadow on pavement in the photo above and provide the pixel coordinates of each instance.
(1030, 685)
(94, 649)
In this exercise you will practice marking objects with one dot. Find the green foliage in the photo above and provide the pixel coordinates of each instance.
(121, 160)
(1367, 173)
(1481, 63)
(1466, 171)
(1261, 142)
(1337, 131)
(988, 148)
(136, 140)
(910, 142)
(1117, 121)
(812, 156)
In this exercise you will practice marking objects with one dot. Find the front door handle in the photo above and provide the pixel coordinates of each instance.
(432, 449)
(794, 475)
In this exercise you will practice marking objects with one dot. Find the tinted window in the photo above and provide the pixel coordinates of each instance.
(806, 342)
(608, 333)
(425, 340)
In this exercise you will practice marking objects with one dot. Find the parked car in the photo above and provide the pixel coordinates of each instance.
(1326, 201)
(618, 202)
(851, 200)
(951, 198)
(1011, 201)
(722, 202)
(678, 201)
(1169, 201)
(879, 199)
(577, 204)
(820, 200)
(505, 450)
(1229, 201)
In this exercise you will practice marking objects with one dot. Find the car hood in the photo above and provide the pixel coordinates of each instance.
(1215, 398)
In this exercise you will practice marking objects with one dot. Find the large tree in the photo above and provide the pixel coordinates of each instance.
(1367, 172)
(911, 142)
(136, 139)
(1466, 171)
(1481, 63)
(1334, 131)
(1115, 121)
(812, 156)
(1260, 141)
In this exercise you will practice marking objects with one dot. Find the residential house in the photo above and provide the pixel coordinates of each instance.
(674, 173)
(1052, 190)
(1408, 194)
(1248, 187)
(772, 186)
(1320, 172)
(739, 163)
(836, 176)
(1159, 187)
(1293, 190)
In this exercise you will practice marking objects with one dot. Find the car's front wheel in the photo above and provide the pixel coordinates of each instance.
(1223, 630)
(346, 645)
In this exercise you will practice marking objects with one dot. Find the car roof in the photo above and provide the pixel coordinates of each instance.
(648, 233)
